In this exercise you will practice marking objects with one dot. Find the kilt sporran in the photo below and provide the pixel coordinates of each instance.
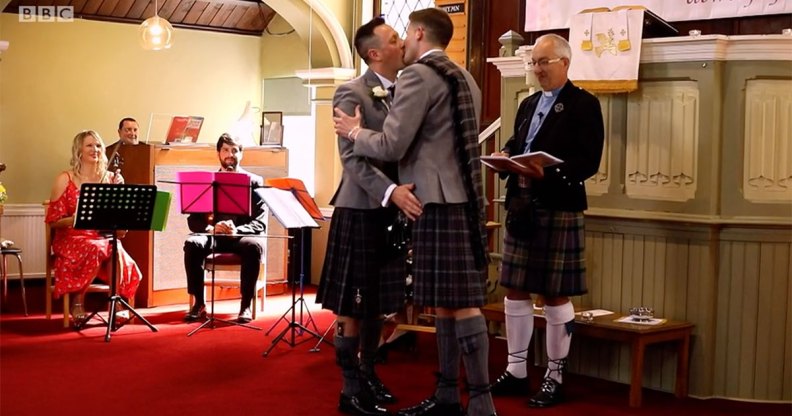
(398, 236)
(521, 216)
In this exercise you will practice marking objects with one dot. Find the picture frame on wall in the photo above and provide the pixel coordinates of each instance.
(272, 128)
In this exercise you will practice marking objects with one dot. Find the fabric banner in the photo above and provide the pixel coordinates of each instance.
(556, 14)
(606, 50)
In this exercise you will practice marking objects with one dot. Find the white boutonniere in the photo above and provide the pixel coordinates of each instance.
(559, 107)
(379, 92)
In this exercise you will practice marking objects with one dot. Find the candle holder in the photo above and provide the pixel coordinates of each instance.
(587, 317)
(642, 313)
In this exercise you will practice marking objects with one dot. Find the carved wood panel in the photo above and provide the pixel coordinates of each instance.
(767, 174)
(662, 141)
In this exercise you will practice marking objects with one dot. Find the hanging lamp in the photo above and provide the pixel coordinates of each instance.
(155, 32)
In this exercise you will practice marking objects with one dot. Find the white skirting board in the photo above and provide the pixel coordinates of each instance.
(24, 225)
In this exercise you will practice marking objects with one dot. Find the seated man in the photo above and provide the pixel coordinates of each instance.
(251, 249)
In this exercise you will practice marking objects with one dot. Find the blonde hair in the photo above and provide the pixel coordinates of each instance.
(77, 144)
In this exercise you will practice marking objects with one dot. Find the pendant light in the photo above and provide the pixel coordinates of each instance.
(156, 33)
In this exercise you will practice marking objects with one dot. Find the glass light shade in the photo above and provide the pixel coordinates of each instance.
(156, 33)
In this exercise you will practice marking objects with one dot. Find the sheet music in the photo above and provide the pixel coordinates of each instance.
(196, 193)
(298, 188)
(286, 208)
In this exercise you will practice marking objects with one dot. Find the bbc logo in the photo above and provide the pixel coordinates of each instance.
(46, 14)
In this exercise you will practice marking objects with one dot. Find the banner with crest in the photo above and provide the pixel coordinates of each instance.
(556, 14)
(606, 50)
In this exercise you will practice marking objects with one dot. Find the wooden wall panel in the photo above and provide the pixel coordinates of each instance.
(457, 50)
(753, 343)
(671, 267)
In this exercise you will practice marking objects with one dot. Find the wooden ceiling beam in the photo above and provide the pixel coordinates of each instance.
(245, 17)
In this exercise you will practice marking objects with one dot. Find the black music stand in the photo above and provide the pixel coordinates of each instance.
(116, 207)
(223, 200)
(290, 212)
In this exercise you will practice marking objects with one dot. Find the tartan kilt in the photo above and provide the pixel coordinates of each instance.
(552, 263)
(444, 266)
(361, 278)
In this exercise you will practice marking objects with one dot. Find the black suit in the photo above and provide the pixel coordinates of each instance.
(572, 131)
(250, 249)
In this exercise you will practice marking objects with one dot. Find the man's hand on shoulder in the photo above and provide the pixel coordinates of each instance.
(404, 198)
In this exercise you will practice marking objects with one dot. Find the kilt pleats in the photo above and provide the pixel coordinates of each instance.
(443, 263)
(552, 262)
(360, 277)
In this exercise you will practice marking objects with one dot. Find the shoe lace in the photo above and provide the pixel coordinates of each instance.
(475, 390)
(517, 357)
(560, 366)
(549, 383)
(445, 381)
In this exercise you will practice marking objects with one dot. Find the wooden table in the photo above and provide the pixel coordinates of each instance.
(638, 336)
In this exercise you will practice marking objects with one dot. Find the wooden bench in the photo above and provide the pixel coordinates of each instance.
(638, 336)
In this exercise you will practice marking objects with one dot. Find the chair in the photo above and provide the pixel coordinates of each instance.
(49, 284)
(232, 262)
(16, 252)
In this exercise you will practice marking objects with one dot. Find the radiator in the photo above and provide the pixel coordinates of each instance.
(24, 225)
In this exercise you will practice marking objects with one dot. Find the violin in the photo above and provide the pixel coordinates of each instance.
(115, 161)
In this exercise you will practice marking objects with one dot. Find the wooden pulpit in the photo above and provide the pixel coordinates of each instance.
(160, 256)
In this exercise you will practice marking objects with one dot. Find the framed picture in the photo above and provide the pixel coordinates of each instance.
(272, 128)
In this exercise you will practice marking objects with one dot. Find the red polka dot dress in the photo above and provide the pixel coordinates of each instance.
(80, 254)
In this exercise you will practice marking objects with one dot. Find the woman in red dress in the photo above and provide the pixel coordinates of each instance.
(80, 255)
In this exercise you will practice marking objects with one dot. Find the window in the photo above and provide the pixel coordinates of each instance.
(397, 12)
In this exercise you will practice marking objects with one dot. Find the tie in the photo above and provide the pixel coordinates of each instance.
(392, 90)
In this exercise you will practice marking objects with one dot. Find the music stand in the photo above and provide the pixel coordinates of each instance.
(116, 207)
(288, 204)
(230, 195)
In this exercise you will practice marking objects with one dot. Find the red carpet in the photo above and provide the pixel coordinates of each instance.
(45, 369)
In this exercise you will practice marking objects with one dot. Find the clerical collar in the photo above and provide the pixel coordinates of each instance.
(552, 93)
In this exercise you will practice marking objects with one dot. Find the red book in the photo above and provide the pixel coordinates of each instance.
(184, 129)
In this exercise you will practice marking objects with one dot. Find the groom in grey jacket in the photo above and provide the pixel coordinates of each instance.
(362, 280)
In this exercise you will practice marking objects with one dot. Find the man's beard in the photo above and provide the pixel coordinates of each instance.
(229, 166)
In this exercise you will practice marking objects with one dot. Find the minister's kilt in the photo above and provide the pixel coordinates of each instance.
(361, 278)
(444, 266)
(552, 262)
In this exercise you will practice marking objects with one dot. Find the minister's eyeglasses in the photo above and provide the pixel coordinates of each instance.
(544, 63)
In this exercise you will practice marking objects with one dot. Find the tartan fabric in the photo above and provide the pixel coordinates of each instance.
(445, 272)
(467, 147)
(357, 263)
(551, 263)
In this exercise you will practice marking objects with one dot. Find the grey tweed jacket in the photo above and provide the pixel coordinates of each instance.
(364, 180)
